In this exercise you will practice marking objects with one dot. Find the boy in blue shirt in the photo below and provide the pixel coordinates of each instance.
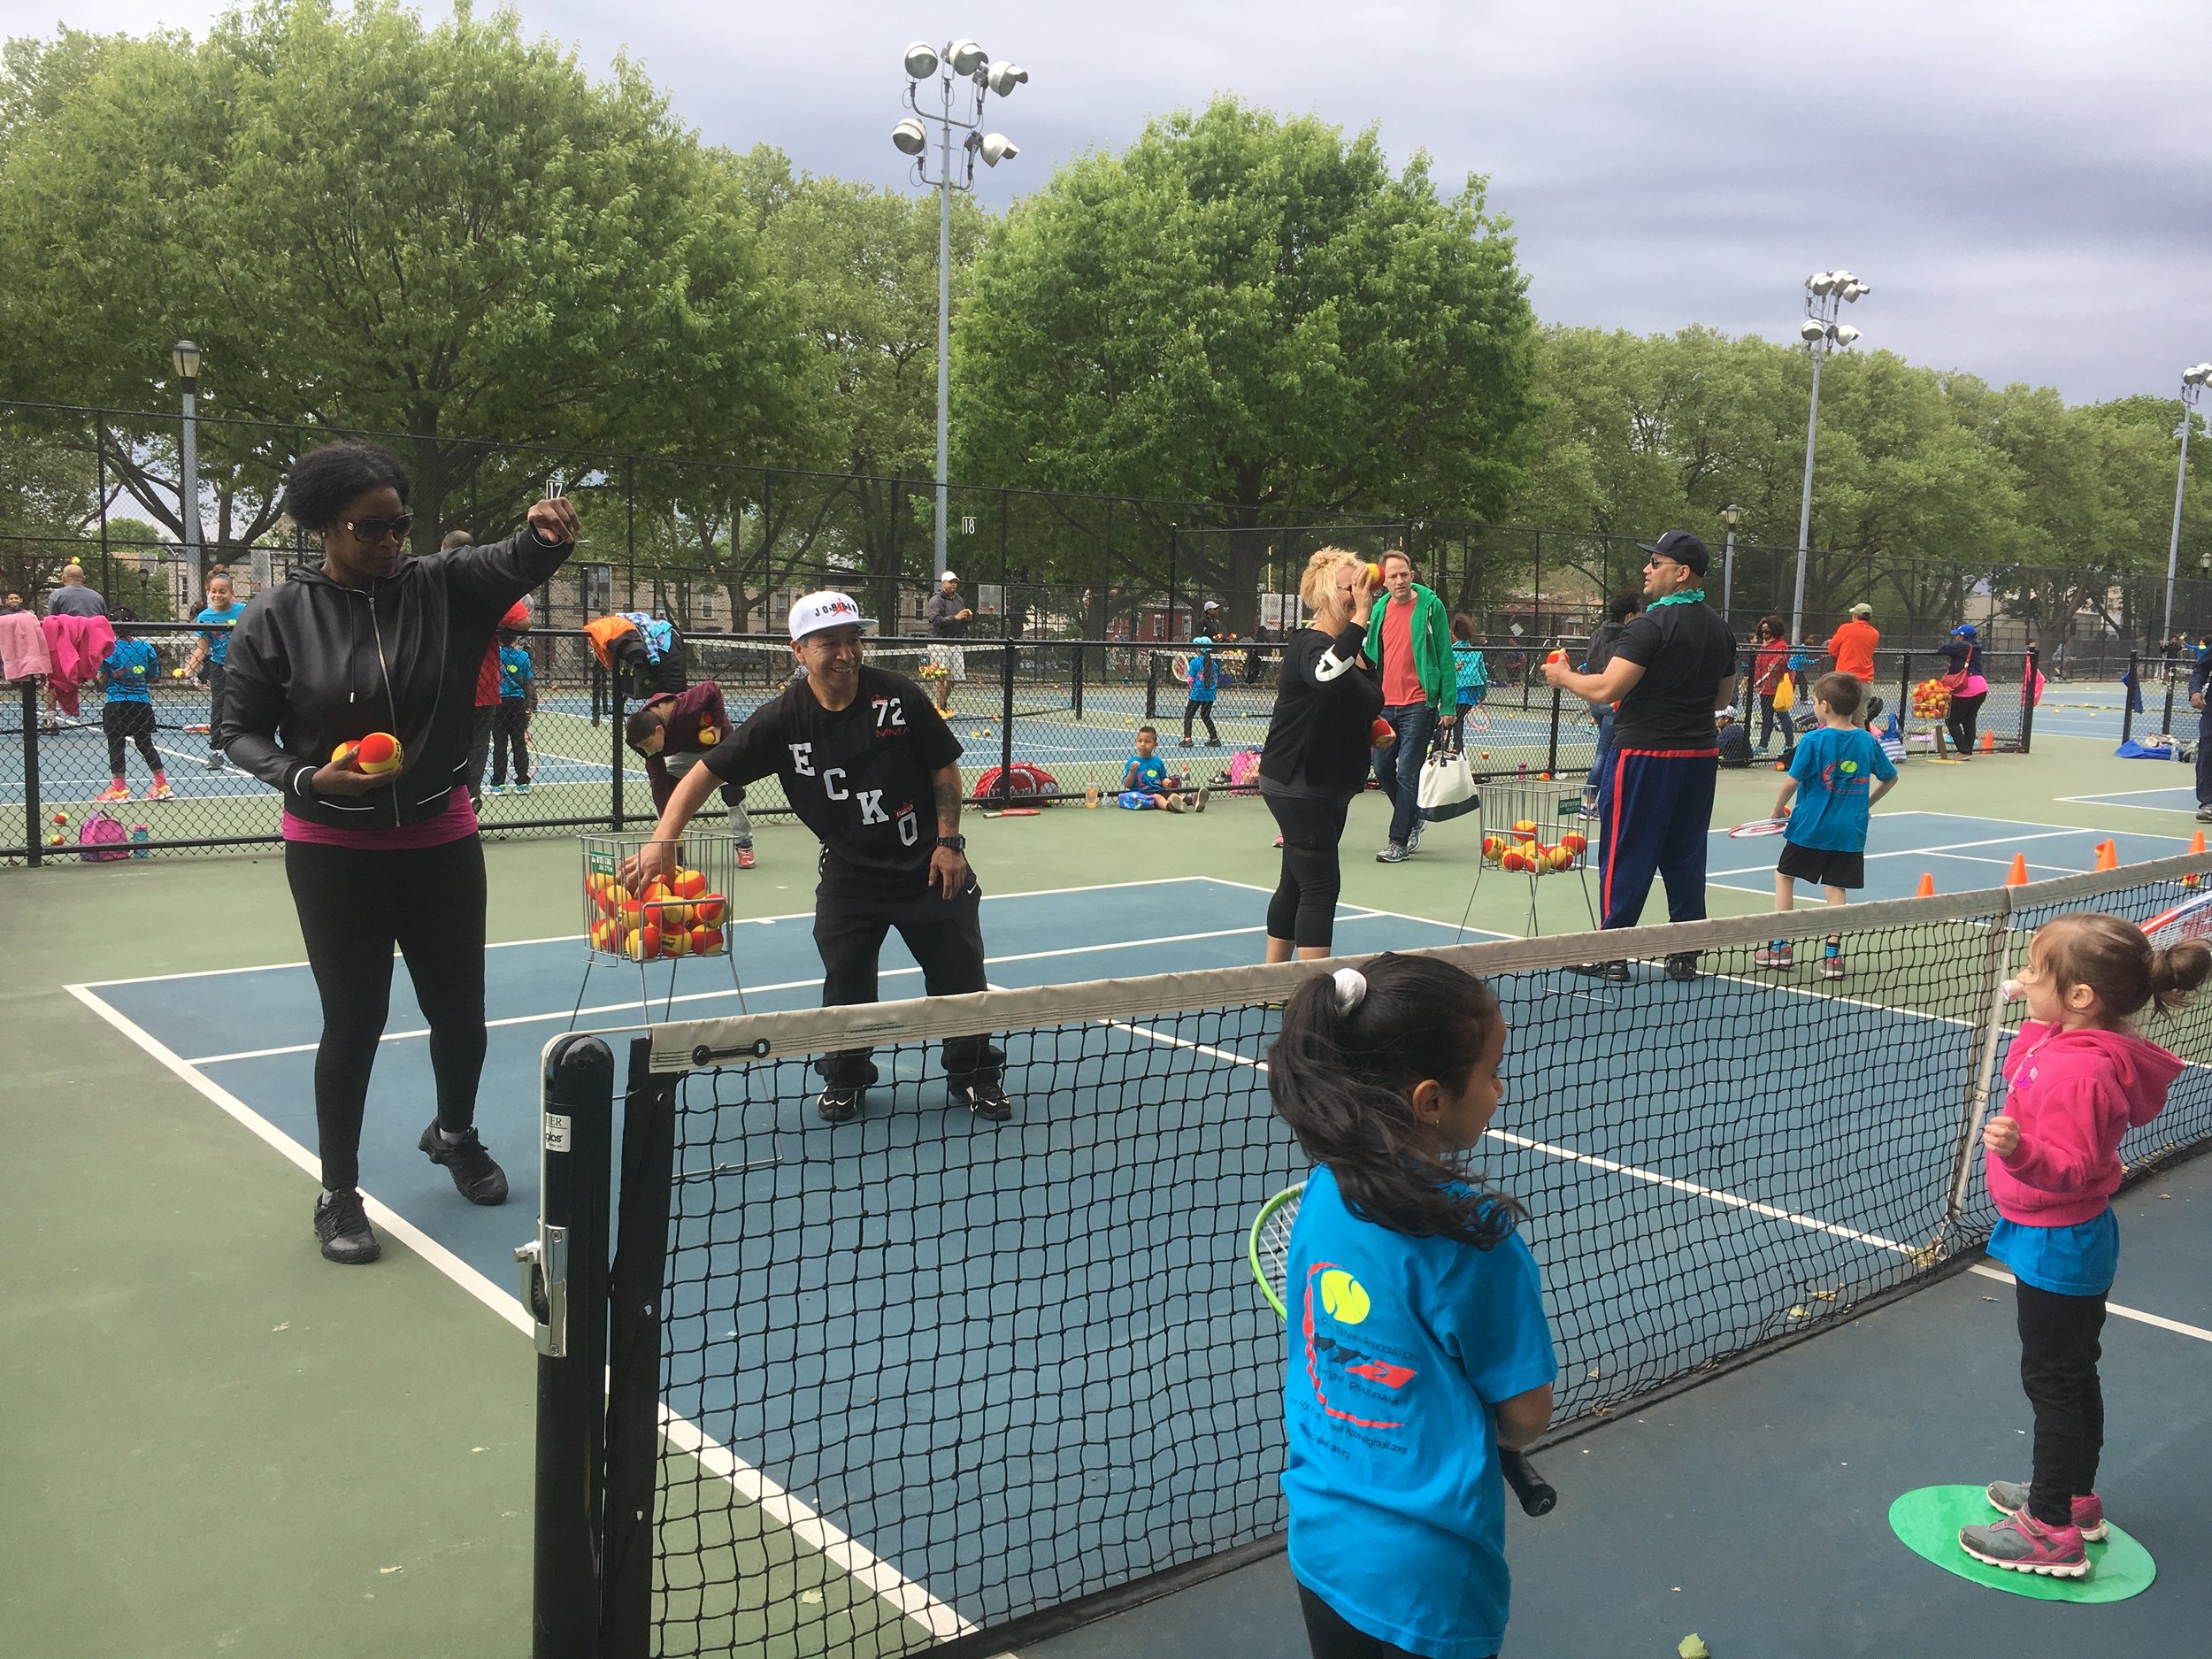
(213, 653)
(126, 674)
(1202, 675)
(510, 723)
(1146, 782)
(1826, 840)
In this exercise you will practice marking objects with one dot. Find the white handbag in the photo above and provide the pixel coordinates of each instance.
(1447, 785)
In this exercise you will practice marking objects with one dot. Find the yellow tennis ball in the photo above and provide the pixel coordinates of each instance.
(1344, 1296)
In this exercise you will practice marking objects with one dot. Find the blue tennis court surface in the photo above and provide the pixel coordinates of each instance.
(2172, 798)
(1961, 852)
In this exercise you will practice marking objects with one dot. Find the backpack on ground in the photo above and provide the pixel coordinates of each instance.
(103, 839)
(1023, 782)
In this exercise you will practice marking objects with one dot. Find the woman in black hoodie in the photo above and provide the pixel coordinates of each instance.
(369, 641)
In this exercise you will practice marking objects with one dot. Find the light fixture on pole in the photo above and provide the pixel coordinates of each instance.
(1827, 294)
(2194, 379)
(1730, 515)
(964, 61)
(185, 357)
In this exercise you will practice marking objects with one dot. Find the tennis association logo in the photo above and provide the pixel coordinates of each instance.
(1335, 1299)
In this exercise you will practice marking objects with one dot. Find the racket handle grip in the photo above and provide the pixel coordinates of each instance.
(1535, 1492)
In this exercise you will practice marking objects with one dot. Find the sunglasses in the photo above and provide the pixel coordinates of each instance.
(369, 532)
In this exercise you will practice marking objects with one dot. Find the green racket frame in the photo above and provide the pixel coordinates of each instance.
(1268, 1246)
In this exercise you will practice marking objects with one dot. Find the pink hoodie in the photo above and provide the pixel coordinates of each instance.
(2074, 1094)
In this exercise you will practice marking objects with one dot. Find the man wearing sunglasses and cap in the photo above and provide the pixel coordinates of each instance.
(1671, 669)
(871, 768)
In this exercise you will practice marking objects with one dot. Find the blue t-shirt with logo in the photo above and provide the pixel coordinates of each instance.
(1205, 677)
(1400, 1347)
(127, 671)
(1150, 773)
(515, 673)
(219, 642)
(1835, 771)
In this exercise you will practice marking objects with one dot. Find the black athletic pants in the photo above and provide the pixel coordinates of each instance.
(946, 936)
(1303, 908)
(354, 907)
(1961, 717)
(2059, 1351)
(1331, 1637)
(1196, 710)
(510, 734)
(129, 723)
(214, 674)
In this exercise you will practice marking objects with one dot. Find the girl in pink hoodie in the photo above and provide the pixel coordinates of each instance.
(2078, 1078)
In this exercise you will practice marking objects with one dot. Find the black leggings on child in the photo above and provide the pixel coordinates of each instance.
(2059, 1351)
(1331, 1636)
(1200, 711)
(510, 735)
(354, 906)
(1303, 908)
(129, 723)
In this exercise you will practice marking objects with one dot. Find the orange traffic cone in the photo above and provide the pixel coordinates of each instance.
(1989, 743)
(2196, 842)
(1927, 889)
(2017, 876)
(2108, 856)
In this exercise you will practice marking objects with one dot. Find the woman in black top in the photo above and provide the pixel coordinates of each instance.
(1319, 745)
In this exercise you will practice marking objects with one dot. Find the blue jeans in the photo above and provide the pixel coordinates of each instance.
(1604, 749)
(1398, 768)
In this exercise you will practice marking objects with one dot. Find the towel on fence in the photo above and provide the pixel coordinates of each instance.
(78, 646)
(23, 652)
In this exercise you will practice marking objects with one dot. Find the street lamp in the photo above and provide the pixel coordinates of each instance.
(186, 358)
(1827, 294)
(1730, 515)
(2194, 379)
(965, 61)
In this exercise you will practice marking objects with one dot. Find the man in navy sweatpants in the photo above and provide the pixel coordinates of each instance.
(1672, 668)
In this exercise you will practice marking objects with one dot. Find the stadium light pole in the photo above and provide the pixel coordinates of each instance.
(2194, 379)
(1730, 515)
(1826, 293)
(185, 357)
(966, 62)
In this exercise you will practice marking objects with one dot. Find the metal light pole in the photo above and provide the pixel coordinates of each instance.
(186, 358)
(1729, 514)
(965, 61)
(2193, 380)
(1826, 293)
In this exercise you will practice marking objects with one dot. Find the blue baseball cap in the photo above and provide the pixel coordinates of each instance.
(1682, 547)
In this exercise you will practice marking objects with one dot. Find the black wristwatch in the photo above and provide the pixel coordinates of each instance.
(954, 844)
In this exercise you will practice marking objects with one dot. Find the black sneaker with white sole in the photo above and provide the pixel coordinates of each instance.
(1682, 966)
(1614, 973)
(475, 1176)
(342, 1227)
(840, 1103)
(987, 1100)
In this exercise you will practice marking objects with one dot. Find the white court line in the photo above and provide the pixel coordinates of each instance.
(1951, 848)
(2113, 796)
(2136, 1314)
(749, 1484)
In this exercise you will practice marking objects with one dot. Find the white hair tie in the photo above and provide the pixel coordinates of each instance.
(1351, 989)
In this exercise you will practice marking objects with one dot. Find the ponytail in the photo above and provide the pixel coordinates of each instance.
(1341, 1072)
(2176, 971)
(2112, 957)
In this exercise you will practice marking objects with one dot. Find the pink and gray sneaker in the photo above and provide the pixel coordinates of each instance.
(2011, 1496)
(2021, 1543)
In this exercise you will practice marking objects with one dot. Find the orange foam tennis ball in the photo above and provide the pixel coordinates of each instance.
(645, 944)
(675, 941)
(1382, 732)
(706, 942)
(709, 736)
(1555, 656)
(1576, 844)
(1494, 847)
(1560, 858)
(1374, 576)
(1514, 858)
(377, 754)
(343, 753)
(1525, 827)
(710, 909)
(689, 884)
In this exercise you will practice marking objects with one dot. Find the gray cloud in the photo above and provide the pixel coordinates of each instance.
(2024, 183)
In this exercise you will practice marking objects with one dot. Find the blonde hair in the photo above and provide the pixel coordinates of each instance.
(1317, 586)
(2112, 958)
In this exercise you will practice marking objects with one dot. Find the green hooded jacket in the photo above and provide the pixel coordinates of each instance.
(1432, 644)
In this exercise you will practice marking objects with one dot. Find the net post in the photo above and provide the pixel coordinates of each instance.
(2166, 717)
(1075, 692)
(1551, 753)
(1989, 1026)
(33, 809)
(1152, 685)
(2027, 697)
(1006, 719)
(614, 727)
(635, 1289)
(563, 1285)
(2127, 704)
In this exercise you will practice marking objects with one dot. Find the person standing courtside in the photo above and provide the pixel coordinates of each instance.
(1852, 645)
(1410, 641)
(948, 615)
(1672, 668)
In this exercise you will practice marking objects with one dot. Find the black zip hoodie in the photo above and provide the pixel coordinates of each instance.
(313, 664)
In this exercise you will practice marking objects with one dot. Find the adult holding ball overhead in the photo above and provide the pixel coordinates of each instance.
(1328, 704)
(376, 654)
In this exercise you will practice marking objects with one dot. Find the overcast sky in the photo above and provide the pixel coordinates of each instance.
(2025, 185)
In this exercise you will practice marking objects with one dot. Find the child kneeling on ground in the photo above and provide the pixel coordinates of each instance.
(1826, 840)
(1146, 782)
(673, 731)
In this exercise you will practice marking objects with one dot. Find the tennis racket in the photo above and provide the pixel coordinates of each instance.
(1758, 826)
(2191, 918)
(1268, 1250)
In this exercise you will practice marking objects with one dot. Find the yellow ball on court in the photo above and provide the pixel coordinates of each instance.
(1344, 1297)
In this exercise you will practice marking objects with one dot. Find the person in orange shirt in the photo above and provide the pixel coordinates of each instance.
(1853, 644)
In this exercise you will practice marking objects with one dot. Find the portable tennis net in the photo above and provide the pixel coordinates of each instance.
(920, 1380)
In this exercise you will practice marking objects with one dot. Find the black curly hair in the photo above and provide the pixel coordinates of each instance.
(323, 480)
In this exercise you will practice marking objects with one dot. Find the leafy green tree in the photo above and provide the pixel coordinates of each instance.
(1252, 312)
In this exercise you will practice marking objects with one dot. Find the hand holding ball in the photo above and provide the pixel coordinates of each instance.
(1382, 733)
(376, 754)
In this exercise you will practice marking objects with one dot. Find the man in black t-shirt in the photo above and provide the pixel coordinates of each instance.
(870, 767)
(1672, 668)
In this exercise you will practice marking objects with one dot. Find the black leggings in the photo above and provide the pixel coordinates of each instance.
(1303, 910)
(1200, 711)
(510, 734)
(1961, 717)
(129, 723)
(354, 907)
(2059, 1351)
(1331, 1636)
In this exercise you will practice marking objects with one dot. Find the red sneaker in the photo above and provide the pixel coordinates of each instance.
(116, 791)
(2020, 1543)
(2011, 1496)
(744, 858)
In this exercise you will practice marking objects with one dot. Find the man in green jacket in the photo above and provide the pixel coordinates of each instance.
(1410, 641)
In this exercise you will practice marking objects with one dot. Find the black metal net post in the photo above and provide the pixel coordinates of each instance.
(2029, 676)
(1006, 722)
(2127, 704)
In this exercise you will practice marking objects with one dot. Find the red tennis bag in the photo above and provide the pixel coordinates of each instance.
(1023, 782)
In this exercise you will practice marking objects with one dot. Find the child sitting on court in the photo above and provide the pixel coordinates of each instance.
(1202, 676)
(1147, 782)
(1826, 839)
(126, 675)
(2077, 1077)
(673, 731)
(1418, 1343)
(511, 722)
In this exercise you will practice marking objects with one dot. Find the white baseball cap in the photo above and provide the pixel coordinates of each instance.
(948, 577)
(824, 610)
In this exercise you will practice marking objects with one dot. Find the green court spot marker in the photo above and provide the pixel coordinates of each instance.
(1927, 1522)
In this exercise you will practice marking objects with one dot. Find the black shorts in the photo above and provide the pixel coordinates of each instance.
(1814, 863)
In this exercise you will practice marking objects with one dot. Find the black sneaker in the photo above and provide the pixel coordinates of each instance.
(1682, 966)
(342, 1226)
(840, 1103)
(478, 1179)
(1614, 973)
(987, 1100)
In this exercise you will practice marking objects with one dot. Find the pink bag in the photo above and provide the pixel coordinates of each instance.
(1244, 769)
(103, 839)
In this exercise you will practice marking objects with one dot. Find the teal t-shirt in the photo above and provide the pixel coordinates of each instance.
(1149, 772)
(515, 673)
(1399, 1349)
(127, 671)
(1834, 771)
(219, 642)
(1204, 678)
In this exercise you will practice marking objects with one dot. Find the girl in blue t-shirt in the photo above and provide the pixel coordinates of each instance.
(211, 656)
(1418, 1344)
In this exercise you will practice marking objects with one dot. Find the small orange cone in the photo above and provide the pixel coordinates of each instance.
(1989, 743)
(2107, 856)
(1927, 889)
(2196, 842)
(2017, 876)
